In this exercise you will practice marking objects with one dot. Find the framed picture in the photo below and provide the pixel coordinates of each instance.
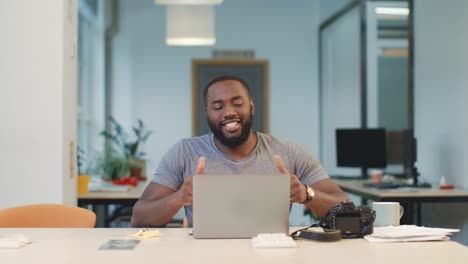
(254, 72)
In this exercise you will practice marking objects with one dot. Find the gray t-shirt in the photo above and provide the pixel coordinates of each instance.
(181, 162)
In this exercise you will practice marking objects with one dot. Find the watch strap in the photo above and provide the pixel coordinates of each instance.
(309, 196)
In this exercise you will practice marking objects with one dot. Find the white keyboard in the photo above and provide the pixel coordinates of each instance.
(273, 240)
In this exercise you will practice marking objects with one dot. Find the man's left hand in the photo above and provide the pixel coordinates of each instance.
(298, 192)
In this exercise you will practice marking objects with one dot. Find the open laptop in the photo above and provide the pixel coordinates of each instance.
(240, 205)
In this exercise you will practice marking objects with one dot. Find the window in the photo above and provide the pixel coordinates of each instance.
(91, 79)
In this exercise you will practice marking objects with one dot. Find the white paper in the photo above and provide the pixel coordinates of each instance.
(406, 239)
(13, 241)
(408, 233)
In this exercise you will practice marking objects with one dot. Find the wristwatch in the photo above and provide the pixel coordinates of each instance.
(310, 194)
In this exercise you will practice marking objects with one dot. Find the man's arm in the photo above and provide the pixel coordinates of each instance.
(326, 192)
(158, 204)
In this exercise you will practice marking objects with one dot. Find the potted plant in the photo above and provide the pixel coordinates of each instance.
(113, 166)
(130, 148)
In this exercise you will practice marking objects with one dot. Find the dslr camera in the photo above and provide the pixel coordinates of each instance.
(353, 221)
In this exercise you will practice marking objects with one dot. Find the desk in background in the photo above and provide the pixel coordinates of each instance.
(409, 198)
(100, 201)
(175, 245)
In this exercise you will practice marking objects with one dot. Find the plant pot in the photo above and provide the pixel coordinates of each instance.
(140, 170)
(136, 172)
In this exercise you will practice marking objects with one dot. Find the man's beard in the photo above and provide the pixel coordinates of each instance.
(232, 142)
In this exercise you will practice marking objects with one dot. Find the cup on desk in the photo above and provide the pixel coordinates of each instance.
(83, 182)
(387, 213)
(377, 176)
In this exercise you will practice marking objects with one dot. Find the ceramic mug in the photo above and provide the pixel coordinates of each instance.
(387, 213)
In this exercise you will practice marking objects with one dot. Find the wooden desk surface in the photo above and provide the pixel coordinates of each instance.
(402, 194)
(78, 246)
(100, 200)
(133, 193)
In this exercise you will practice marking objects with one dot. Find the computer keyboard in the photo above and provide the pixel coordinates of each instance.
(394, 185)
(383, 185)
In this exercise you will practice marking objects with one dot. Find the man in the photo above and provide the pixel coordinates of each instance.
(232, 148)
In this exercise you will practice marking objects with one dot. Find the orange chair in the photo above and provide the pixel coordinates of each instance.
(47, 215)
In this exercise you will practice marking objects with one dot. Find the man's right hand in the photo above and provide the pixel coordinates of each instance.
(185, 192)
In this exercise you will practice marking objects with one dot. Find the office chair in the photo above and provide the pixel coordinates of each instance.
(47, 215)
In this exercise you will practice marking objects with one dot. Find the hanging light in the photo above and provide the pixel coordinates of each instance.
(190, 25)
(188, 2)
(395, 11)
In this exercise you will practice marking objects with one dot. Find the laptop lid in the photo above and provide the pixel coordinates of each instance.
(240, 205)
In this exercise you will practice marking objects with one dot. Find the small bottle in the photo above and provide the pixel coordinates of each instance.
(444, 186)
(442, 181)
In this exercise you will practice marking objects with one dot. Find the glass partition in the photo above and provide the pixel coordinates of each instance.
(364, 78)
(387, 69)
(340, 78)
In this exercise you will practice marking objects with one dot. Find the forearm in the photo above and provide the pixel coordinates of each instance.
(155, 212)
(323, 202)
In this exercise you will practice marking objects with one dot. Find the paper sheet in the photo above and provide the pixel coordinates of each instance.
(13, 241)
(408, 233)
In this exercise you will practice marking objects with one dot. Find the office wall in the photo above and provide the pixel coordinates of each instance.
(441, 92)
(330, 7)
(157, 78)
(37, 109)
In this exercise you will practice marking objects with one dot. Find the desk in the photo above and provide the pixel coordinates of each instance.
(175, 245)
(408, 197)
(104, 199)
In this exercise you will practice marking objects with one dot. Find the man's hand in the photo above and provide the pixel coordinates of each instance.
(297, 193)
(186, 190)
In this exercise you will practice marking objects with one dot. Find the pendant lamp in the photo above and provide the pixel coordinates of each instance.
(190, 25)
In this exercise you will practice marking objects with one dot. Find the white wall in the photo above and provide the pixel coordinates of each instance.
(38, 116)
(441, 92)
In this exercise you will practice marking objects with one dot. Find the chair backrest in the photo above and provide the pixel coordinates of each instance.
(47, 215)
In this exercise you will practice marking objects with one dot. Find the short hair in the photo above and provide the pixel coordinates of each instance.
(226, 78)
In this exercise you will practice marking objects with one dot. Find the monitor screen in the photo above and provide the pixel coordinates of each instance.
(365, 148)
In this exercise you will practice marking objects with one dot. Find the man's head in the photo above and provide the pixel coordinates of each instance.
(229, 109)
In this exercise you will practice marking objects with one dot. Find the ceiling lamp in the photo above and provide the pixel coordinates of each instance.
(190, 25)
(393, 11)
(188, 2)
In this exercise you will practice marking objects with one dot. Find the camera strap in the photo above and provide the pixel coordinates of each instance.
(317, 233)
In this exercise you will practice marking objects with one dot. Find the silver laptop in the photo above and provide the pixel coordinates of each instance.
(240, 205)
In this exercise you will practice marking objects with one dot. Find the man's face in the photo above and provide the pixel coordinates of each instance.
(229, 111)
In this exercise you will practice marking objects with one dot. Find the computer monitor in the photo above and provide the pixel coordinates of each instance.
(361, 147)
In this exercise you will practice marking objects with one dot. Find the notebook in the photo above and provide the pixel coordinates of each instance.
(240, 205)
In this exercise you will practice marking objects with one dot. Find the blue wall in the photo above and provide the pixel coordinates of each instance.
(153, 81)
(441, 92)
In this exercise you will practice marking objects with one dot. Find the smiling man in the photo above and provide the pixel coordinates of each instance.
(232, 148)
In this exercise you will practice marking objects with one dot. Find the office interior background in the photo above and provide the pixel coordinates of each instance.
(131, 73)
